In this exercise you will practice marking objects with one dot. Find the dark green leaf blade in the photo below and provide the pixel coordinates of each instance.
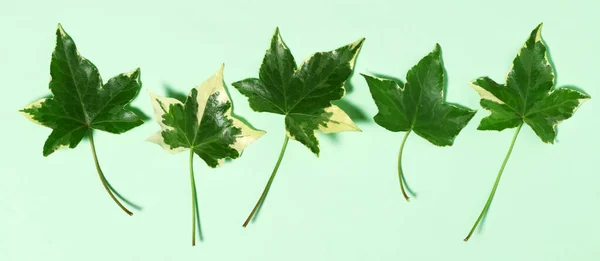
(420, 104)
(389, 99)
(277, 69)
(552, 109)
(261, 98)
(529, 94)
(301, 127)
(320, 79)
(303, 94)
(204, 123)
(112, 116)
(79, 100)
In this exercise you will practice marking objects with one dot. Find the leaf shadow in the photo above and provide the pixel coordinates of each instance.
(174, 93)
(355, 113)
(445, 87)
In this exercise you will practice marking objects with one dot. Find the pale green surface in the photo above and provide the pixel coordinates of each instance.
(345, 205)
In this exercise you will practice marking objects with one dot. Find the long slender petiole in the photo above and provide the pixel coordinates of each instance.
(400, 173)
(102, 178)
(195, 212)
(126, 201)
(491, 197)
(266, 191)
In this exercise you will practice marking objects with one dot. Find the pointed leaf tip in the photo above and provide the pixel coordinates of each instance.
(135, 73)
(61, 30)
(437, 49)
(536, 34)
(359, 42)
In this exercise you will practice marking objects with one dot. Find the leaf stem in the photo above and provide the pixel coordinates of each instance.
(195, 212)
(266, 190)
(400, 173)
(102, 177)
(491, 197)
(126, 201)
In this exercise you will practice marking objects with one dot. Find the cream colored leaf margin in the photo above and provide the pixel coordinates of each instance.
(34, 105)
(491, 97)
(339, 121)
(212, 85)
(486, 95)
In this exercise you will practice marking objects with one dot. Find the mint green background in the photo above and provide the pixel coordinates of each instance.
(345, 205)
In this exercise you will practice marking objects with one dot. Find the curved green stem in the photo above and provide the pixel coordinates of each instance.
(102, 178)
(400, 173)
(126, 201)
(266, 190)
(195, 212)
(491, 197)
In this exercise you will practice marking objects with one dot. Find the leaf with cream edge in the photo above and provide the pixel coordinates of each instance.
(528, 96)
(419, 106)
(303, 94)
(80, 103)
(204, 124)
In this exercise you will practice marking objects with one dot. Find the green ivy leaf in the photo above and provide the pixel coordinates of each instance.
(303, 94)
(419, 105)
(80, 102)
(528, 96)
(204, 124)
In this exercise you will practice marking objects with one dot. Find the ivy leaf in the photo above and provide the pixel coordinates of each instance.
(302, 94)
(80, 103)
(419, 105)
(356, 114)
(529, 97)
(204, 124)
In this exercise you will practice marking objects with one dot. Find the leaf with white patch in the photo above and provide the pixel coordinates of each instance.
(528, 97)
(303, 94)
(204, 124)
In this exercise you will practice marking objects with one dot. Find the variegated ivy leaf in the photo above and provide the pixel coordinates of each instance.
(303, 94)
(80, 102)
(529, 95)
(204, 123)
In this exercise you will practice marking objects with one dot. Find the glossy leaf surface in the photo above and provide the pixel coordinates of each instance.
(303, 94)
(203, 123)
(419, 105)
(529, 95)
(80, 101)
